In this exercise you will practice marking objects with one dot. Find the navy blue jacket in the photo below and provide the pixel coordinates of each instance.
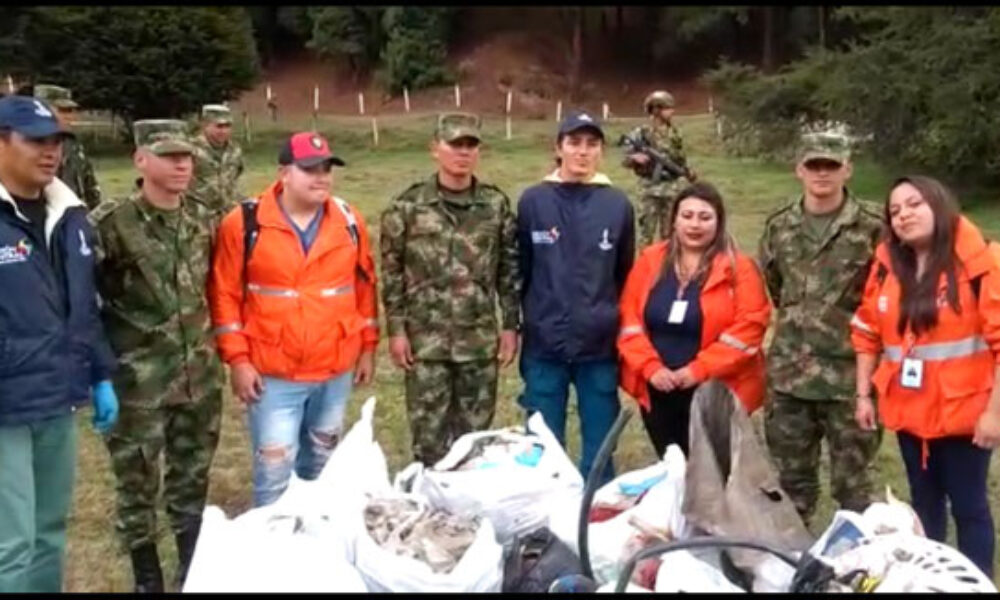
(576, 246)
(52, 344)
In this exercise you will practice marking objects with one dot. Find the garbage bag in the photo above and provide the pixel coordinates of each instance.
(388, 568)
(536, 560)
(731, 488)
(687, 571)
(655, 518)
(269, 552)
(516, 479)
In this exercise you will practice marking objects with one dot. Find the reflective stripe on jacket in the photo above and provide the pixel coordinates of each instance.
(735, 314)
(959, 355)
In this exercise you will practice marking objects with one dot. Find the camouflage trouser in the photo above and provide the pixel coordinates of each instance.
(653, 209)
(187, 435)
(794, 429)
(445, 400)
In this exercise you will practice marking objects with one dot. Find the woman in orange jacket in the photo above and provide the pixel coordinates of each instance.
(693, 308)
(931, 309)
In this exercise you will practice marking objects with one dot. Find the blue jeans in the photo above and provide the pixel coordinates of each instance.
(294, 424)
(546, 389)
(956, 469)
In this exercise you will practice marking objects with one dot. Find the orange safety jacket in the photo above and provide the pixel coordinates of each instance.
(304, 317)
(735, 314)
(958, 356)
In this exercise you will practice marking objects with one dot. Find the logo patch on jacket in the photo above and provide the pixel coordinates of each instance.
(545, 236)
(18, 253)
(605, 244)
(84, 248)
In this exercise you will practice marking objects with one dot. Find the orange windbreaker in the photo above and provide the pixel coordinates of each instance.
(305, 318)
(959, 355)
(735, 315)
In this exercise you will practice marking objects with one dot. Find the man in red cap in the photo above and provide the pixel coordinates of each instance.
(295, 313)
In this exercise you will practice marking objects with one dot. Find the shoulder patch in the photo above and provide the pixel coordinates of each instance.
(780, 211)
(409, 194)
(103, 210)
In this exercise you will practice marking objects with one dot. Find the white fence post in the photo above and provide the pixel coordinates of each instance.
(406, 99)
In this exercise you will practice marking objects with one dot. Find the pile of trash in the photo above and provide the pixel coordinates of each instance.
(507, 511)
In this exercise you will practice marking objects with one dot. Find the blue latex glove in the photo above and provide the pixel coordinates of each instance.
(105, 407)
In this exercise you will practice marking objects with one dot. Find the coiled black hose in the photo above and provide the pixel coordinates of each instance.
(699, 542)
(603, 455)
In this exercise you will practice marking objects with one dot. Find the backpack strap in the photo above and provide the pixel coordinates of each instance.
(251, 228)
(352, 221)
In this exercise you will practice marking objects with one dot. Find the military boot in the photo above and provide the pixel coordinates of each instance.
(186, 541)
(146, 570)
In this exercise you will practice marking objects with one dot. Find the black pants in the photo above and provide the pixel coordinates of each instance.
(668, 418)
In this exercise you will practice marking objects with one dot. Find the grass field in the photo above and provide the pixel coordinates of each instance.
(96, 563)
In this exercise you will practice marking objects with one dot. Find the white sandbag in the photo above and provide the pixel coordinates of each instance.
(517, 498)
(479, 570)
(612, 542)
(631, 588)
(682, 571)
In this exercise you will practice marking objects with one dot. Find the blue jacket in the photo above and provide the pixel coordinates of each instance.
(577, 245)
(52, 344)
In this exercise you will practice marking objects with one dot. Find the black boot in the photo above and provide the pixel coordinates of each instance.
(186, 541)
(146, 570)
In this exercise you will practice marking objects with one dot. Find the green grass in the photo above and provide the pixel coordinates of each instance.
(751, 188)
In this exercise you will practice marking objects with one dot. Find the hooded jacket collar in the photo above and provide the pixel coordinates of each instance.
(597, 179)
(58, 199)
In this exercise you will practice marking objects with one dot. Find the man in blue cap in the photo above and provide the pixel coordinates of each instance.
(577, 241)
(53, 353)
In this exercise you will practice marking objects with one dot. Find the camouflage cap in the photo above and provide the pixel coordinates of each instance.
(454, 125)
(217, 113)
(828, 145)
(55, 95)
(162, 136)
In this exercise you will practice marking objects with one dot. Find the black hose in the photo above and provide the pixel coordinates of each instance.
(603, 455)
(699, 542)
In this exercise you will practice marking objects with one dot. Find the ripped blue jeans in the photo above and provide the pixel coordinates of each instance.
(295, 424)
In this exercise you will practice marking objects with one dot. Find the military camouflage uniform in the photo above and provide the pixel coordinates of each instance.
(816, 284)
(655, 197)
(444, 267)
(217, 169)
(75, 169)
(152, 268)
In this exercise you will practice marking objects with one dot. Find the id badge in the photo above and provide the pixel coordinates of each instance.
(677, 311)
(911, 376)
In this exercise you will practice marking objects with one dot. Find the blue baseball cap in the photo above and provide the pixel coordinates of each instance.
(577, 120)
(30, 117)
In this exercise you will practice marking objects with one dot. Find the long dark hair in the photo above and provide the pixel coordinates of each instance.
(918, 297)
(722, 242)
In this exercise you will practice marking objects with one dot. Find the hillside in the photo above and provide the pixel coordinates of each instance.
(529, 62)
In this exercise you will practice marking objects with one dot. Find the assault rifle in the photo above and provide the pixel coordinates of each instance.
(662, 166)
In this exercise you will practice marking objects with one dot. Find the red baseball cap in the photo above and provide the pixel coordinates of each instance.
(307, 149)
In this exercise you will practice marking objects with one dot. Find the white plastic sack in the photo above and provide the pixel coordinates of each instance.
(682, 571)
(516, 498)
(479, 570)
(305, 540)
(660, 509)
(273, 554)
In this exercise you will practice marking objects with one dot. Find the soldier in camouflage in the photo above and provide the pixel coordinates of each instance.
(218, 162)
(153, 263)
(75, 169)
(449, 256)
(655, 196)
(815, 254)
